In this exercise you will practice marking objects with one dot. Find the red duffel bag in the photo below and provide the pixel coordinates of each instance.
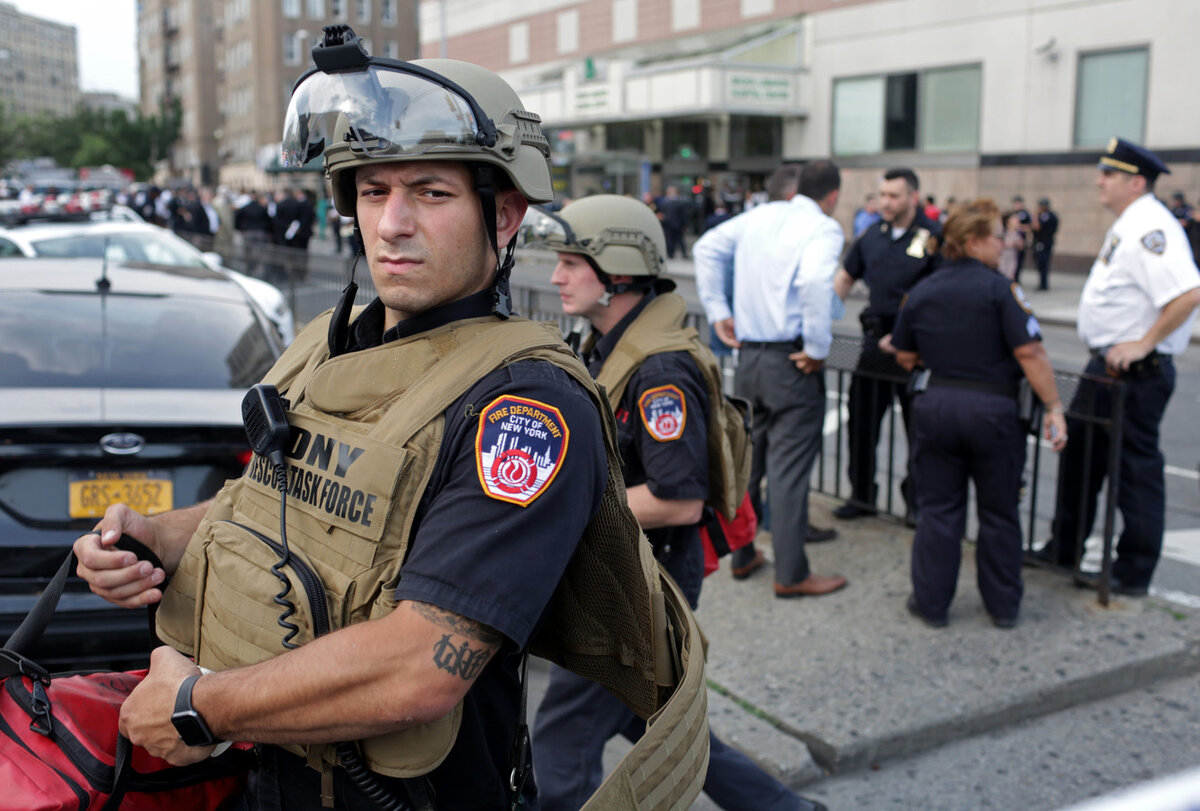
(60, 747)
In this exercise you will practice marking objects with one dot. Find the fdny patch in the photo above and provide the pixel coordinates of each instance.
(1155, 242)
(664, 412)
(1019, 294)
(519, 448)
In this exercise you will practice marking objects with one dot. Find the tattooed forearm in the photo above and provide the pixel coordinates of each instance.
(462, 661)
(456, 623)
(460, 657)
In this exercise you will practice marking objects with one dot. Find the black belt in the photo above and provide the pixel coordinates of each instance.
(1144, 369)
(779, 346)
(1003, 388)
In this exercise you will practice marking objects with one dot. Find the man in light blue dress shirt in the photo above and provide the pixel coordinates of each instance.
(784, 255)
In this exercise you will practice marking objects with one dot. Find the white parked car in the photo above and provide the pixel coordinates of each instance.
(128, 241)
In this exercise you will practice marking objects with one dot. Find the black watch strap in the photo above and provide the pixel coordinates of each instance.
(188, 722)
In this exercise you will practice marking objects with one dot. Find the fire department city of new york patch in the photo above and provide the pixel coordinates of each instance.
(664, 412)
(519, 448)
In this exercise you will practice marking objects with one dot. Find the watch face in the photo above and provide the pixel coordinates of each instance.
(192, 729)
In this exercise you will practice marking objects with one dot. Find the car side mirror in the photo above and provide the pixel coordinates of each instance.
(213, 260)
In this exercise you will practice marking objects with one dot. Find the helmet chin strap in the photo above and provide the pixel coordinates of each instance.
(485, 185)
(339, 322)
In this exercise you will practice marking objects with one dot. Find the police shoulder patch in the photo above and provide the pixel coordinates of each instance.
(1155, 242)
(520, 446)
(1019, 294)
(664, 412)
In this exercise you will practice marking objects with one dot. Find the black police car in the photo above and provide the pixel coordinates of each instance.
(117, 383)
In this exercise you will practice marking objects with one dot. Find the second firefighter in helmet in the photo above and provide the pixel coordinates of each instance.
(665, 389)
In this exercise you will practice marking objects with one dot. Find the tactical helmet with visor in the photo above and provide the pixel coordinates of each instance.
(356, 110)
(618, 235)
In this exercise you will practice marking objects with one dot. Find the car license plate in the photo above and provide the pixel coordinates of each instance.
(146, 491)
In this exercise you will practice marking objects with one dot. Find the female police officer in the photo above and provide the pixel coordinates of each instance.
(974, 334)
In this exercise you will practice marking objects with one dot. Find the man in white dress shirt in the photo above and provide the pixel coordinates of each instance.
(1135, 315)
(783, 255)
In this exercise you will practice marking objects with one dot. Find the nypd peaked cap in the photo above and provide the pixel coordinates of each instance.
(1123, 156)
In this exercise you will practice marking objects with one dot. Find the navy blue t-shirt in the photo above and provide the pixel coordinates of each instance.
(964, 321)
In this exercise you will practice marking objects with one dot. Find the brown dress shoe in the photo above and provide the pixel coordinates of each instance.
(742, 572)
(812, 586)
(818, 535)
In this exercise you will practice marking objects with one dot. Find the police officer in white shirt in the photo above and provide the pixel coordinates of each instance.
(1135, 314)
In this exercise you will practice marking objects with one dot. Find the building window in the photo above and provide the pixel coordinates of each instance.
(337, 9)
(291, 8)
(624, 20)
(685, 14)
(757, 8)
(685, 139)
(1110, 98)
(933, 111)
(363, 9)
(755, 137)
(950, 110)
(387, 11)
(391, 49)
(568, 32)
(518, 43)
(625, 137)
(316, 9)
(291, 49)
(858, 116)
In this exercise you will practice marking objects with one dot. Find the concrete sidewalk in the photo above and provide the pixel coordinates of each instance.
(816, 686)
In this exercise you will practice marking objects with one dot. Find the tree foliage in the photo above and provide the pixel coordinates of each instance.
(92, 138)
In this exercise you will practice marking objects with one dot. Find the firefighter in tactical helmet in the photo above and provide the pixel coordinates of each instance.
(660, 382)
(428, 431)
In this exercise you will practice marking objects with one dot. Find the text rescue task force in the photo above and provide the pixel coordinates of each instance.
(313, 488)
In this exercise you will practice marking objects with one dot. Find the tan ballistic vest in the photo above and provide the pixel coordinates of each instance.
(367, 428)
(659, 328)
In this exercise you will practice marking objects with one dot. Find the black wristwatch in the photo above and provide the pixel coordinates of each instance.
(188, 723)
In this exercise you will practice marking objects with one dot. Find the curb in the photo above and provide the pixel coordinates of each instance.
(820, 758)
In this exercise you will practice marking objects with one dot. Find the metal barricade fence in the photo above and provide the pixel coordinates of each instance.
(313, 283)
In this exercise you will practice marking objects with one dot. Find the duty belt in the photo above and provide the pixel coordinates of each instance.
(1001, 387)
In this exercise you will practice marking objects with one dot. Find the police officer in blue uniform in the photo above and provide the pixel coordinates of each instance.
(890, 258)
(1135, 315)
(973, 334)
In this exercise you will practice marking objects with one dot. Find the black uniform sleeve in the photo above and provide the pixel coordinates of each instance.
(1016, 316)
(902, 331)
(482, 547)
(853, 262)
(675, 467)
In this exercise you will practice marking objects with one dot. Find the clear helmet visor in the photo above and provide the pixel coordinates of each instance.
(380, 111)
